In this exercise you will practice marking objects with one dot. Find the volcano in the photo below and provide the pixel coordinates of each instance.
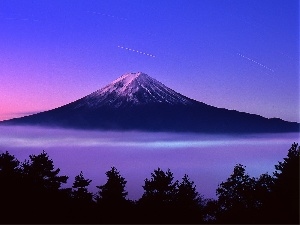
(136, 101)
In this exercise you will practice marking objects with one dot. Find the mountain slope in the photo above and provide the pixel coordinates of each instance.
(135, 101)
(133, 89)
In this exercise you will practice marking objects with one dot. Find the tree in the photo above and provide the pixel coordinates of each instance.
(10, 172)
(263, 188)
(158, 202)
(42, 188)
(9, 165)
(284, 202)
(160, 189)
(211, 210)
(236, 197)
(83, 206)
(288, 170)
(10, 186)
(112, 200)
(187, 194)
(113, 191)
(80, 191)
(41, 173)
(189, 203)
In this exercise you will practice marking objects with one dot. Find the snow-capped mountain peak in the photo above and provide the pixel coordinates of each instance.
(136, 101)
(133, 89)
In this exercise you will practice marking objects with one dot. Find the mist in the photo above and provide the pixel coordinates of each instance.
(207, 159)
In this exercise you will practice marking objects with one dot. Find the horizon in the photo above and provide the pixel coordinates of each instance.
(236, 55)
(23, 114)
(112, 82)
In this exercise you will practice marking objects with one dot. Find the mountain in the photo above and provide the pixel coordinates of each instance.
(133, 89)
(136, 101)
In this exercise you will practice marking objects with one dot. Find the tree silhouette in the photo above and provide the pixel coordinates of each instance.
(41, 173)
(159, 198)
(263, 187)
(42, 187)
(80, 191)
(211, 210)
(32, 190)
(9, 165)
(189, 203)
(10, 172)
(236, 197)
(113, 191)
(160, 189)
(83, 208)
(112, 200)
(187, 194)
(11, 191)
(283, 206)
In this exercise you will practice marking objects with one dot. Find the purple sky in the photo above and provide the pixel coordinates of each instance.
(241, 55)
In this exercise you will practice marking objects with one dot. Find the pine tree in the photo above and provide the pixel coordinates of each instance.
(187, 194)
(284, 204)
(40, 191)
(113, 191)
(41, 173)
(111, 199)
(158, 203)
(83, 206)
(9, 165)
(189, 203)
(160, 189)
(80, 191)
(11, 190)
(236, 197)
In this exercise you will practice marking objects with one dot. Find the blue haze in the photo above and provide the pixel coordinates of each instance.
(207, 159)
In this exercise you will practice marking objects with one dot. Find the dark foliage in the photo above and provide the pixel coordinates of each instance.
(31, 192)
(40, 172)
(111, 199)
(113, 192)
(82, 205)
(285, 191)
(160, 189)
(10, 187)
(157, 203)
(80, 191)
(266, 199)
(237, 197)
(168, 201)
(189, 204)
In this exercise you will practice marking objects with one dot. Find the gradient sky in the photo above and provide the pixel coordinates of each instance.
(234, 54)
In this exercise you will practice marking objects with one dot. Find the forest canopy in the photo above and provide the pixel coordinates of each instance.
(33, 190)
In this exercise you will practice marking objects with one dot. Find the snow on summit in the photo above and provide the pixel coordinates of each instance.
(133, 89)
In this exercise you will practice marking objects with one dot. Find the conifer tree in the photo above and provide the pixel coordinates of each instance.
(111, 199)
(285, 194)
(80, 191)
(189, 203)
(160, 189)
(11, 191)
(236, 196)
(187, 194)
(9, 165)
(41, 172)
(158, 203)
(113, 191)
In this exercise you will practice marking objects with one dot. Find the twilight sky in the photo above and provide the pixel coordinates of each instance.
(234, 54)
